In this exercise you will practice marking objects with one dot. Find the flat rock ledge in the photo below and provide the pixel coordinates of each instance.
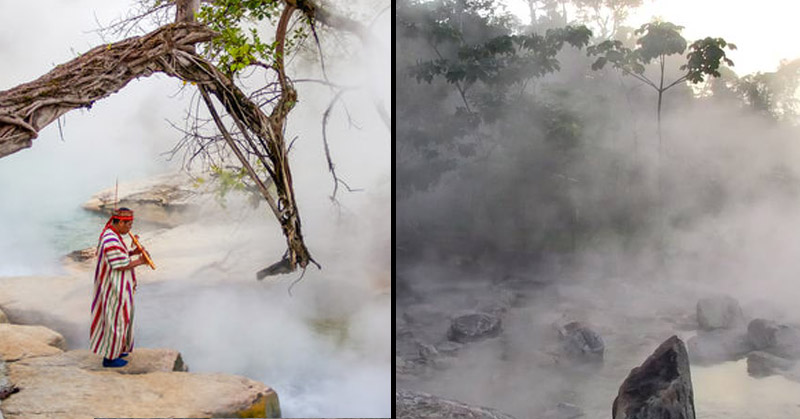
(54, 383)
(418, 405)
(164, 200)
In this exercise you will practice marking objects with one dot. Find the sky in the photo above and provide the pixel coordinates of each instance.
(764, 35)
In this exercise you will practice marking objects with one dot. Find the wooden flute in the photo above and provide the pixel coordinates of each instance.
(144, 252)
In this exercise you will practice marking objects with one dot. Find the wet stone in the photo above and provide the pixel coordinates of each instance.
(474, 327)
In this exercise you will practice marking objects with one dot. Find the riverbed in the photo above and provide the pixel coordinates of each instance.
(520, 372)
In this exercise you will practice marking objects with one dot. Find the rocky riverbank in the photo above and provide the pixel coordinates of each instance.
(203, 301)
(42, 379)
(484, 340)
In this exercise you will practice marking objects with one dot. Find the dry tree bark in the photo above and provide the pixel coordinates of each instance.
(106, 69)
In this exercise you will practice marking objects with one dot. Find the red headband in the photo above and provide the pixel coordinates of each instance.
(122, 217)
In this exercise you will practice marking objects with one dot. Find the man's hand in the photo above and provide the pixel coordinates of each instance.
(139, 262)
(136, 251)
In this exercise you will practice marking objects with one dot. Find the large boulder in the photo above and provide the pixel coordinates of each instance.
(777, 339)
(417, 405)
(719, 345)
(56, 302)
(719, 313)
(474, 327)
(74, 385)
(140, 361)
(580, 342)
(20, 342)
(661, 388)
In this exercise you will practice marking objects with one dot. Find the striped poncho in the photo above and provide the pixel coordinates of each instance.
(111, 331)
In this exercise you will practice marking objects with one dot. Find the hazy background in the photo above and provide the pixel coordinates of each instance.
(222, 321)
(557, 183)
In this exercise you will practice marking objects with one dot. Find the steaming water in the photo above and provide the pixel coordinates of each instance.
(315, 374)
(515, 373)
(727, 391)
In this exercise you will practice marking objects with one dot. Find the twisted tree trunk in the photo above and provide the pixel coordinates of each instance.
(106, 69)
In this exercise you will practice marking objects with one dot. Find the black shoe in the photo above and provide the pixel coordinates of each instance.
(114, 363)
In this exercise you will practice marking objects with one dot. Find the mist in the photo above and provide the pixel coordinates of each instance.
(551, 208)
(325, 347)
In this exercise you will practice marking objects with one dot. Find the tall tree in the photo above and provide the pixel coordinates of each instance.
(773, 93)
(209, 47)
(607, 16)
(657, 41)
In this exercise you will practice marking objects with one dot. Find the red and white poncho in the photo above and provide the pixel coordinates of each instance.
(111, 332)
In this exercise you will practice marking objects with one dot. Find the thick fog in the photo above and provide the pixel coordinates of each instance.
(561, 211)
(325, 349)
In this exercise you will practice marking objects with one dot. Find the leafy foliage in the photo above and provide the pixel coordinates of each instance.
(606, 15)
(239, 44)
(705, 57)
(658, 40)
(773, 93)
(504, 60)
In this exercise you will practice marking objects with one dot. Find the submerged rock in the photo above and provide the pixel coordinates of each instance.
(719, 346)
(580, 342)
(719, 313)
(777, 339)
(417, 405)
(474, 327)
(763, 364)
(661, 388)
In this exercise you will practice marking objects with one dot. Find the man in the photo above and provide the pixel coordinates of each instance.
(111, 332)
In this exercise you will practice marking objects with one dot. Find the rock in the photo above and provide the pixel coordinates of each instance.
(140, 361)
(81, 260)
(83, 255)
(563, 411)
(777, 339)
(427, 351)
(661, 388)
(580, 342)
(165, 200)
(58, 303)
(69, 391)
(448, 348)
(7, 388)
(761, 333)
(719, 313)
(718, 346)
(763, 364)
(474, 327)
(20, 342)
(416, 405)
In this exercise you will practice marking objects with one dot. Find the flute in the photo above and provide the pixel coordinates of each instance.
(144, 252)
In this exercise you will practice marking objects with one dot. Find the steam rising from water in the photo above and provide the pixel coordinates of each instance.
(325, 350)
